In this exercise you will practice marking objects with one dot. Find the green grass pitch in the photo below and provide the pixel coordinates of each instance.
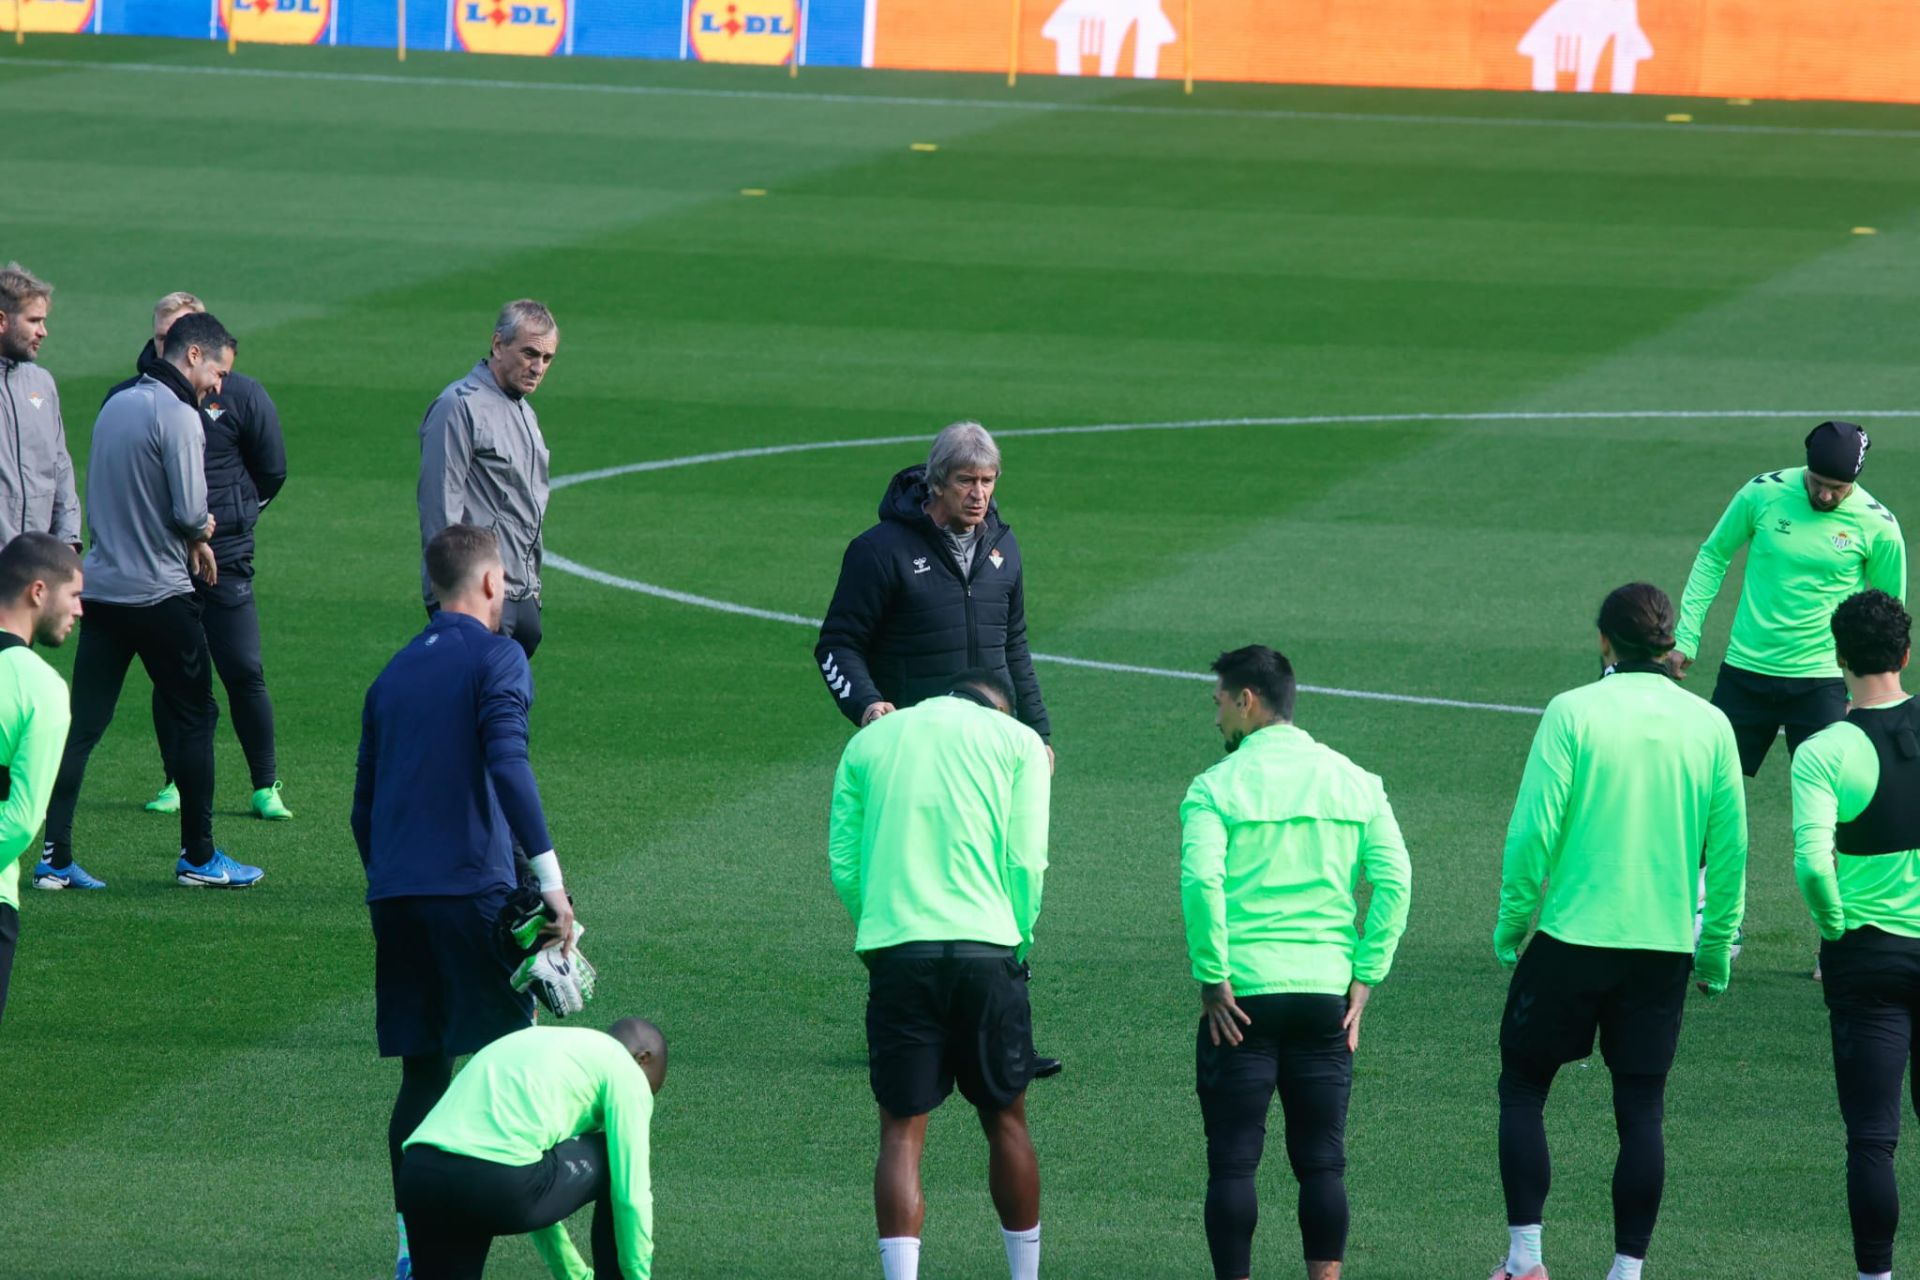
(191, 1081)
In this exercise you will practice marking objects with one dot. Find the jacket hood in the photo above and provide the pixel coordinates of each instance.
(149, 357)
(908, 494)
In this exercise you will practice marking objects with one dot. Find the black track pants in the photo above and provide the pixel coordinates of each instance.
(456, 1205)
(233, 637)
(1295, 1047)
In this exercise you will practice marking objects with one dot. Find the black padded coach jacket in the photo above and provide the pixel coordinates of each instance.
(904, 620)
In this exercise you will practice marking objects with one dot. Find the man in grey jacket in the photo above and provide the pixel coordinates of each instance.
(147, 510)
(483, 460)
(36, 472)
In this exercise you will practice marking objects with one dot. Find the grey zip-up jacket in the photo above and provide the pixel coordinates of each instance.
(483, 461)
(146, 495)
(36, 471)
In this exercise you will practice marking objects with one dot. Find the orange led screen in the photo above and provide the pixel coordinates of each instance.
(1849, 49)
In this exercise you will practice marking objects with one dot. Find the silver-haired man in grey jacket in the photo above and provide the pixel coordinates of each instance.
(37, 493)
(483, 460)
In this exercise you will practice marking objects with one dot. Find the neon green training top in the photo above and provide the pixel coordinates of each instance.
(1801, 563)
(1273, 841)
(34, 715)
(939, 827)
(1835, 773)
(526, 1093)
(1629, 779)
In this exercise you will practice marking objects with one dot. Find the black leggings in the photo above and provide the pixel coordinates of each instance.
(455, 1205)
(170, 644)
(1639, 1172)
(1297, 1047)
(9, 939)
(233, 637)
(1871, 982)
(423, 1079)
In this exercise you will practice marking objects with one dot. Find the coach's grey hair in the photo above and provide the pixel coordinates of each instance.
(18, 286)
(523, 313)
(960, 447)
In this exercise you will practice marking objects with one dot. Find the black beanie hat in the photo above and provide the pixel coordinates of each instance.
(1837, 450)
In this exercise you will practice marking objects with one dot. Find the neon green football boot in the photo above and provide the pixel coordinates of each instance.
(167, 801)
(267, 804)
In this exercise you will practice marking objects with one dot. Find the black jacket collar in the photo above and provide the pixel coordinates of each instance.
(162, 371)
(906, 500)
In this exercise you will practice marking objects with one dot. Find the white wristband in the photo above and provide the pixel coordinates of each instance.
(546, 869)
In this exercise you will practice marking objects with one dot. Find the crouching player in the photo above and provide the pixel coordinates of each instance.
(1856, 827)
(540, 1124)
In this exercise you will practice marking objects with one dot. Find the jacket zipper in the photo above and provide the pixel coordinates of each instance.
(539, 516)
(19, 464)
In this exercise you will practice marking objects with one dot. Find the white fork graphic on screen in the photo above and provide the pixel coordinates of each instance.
(1082, 29)
(1570, 37)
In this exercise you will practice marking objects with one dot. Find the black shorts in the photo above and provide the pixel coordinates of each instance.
(1562, 994)
(934, 1020)
(1760, 705)
(9, 940)
(441, 986)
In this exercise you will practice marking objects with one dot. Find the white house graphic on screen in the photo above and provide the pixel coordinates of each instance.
(1572, 34)
(1098, 28)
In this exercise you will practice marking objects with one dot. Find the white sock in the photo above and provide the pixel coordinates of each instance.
(402, 1224)
(1625, 1268)
(1883, 1275)
(900, 1257)
(1023, 1252)
(1523, 1249)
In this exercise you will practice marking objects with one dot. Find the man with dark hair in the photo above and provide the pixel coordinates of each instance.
(36, 472)
(39, 599)
(1856, 846)
(1814, 537)
(935, 587)
(483, 460)
(540, 1124)
(147, 510)
(1274, 839)
(938, 849)
(443, 790)
(1629, 778)
(245, 465)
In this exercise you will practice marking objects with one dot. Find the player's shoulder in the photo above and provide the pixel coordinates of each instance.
(1874, 513)
(31, 670)
(1826, 748)
(1781, 481)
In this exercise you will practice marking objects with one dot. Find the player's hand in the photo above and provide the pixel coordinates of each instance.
(1049, 759)
(1506, 943)
(560, 928)
(1357, 996)
(206, 530)
(875, 711)
(200, 562)
(1678, 664)
(1218, 1008)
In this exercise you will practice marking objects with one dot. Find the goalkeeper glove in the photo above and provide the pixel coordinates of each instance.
(562, 982)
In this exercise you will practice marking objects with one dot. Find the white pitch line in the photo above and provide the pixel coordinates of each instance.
(982, 104)
(1198, 424)
(574, 567)
(606, 579)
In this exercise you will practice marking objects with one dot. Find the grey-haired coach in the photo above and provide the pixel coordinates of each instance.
(483, 460)
(934, 589)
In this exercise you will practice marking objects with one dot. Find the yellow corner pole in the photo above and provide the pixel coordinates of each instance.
(1013, 47)
(233, 34)
(401, 44)
(19, 22)
(1188, 43)
(793, 59)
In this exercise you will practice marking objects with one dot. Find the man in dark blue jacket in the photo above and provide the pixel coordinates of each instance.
(443, 791)
(934, 589)
(246, 464)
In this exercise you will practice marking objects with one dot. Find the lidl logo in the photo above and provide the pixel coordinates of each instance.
(276, 21)
(531, 27)
(762, 31)
(61, 17)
